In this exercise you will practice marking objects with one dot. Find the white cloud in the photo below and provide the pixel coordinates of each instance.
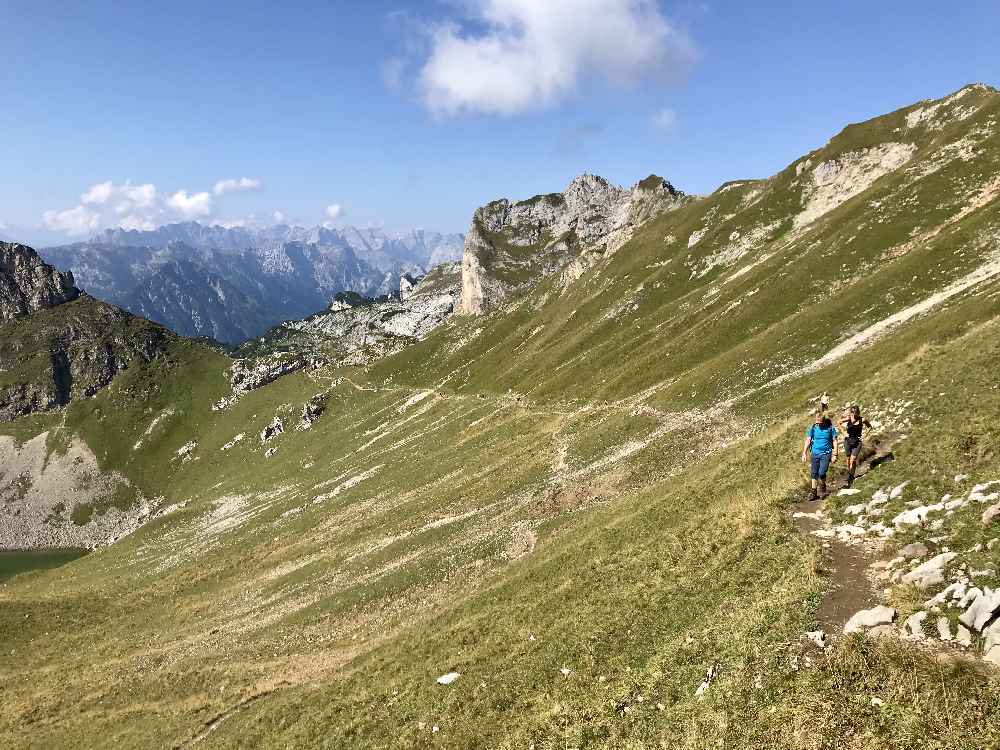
(141, 207)
(190, 206)
(136, 197)
(137, 222)
(665, 119)
(279, 218)
(520, 55)
(73, 221)
(232, 185)
(98, 194)
(334, 212)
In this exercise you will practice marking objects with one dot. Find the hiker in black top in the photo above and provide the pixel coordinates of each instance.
(854, 425)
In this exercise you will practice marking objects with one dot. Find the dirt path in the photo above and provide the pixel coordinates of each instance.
(846, 566)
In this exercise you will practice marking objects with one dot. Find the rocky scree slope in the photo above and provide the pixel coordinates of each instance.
(357, 330)
(510, 245)
(234, 284)
(578, 504)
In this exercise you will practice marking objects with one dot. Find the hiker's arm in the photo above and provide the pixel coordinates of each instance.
(805, 447)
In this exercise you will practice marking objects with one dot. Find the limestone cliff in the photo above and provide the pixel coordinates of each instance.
(512, 245)
(28, 284)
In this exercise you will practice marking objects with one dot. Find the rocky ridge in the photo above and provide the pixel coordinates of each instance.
(511, 245)
(58, 344)
(28, 284)
(357, 330)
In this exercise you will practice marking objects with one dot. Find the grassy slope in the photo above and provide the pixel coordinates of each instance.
(371, 554)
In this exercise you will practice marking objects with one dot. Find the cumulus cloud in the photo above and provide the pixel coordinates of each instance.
(137, 222)
(233, 185)
(665, 119)
(509, 56)
(136, 197)
(141, 206)
(73, 221)
(334, 212)
(190, 206)
(279, 218)
(98, 194)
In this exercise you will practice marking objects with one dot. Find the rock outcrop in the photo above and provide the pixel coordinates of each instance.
(358, 330)
(28, 284)
(57, 343)
(512, 245)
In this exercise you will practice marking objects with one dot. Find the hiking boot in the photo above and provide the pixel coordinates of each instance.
(822, 487)
(812, 494)
(850, 479)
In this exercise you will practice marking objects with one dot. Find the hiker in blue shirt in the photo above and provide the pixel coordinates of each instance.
(821, 444)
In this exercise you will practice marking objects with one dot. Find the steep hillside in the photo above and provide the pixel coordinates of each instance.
(234, 284)
(568, 520)
(62, 347)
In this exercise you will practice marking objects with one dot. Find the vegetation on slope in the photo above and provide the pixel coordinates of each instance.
(581, 503)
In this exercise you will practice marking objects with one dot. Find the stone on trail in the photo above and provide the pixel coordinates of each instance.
(990, 514)
(914, 550)
(855, 510)
(964, 636)
(870, 618)
(914, 625)
(944, 629)
(931, 573)
(848, 491)
(955, 591)
(982, 609)
(447, 679)
(817, 636)
(897, 490)
(880, 496)
(991, 643)
(991, 636)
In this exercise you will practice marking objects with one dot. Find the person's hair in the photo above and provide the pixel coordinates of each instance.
(856, 412)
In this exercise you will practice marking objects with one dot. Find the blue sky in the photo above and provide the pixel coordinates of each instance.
(413, 113)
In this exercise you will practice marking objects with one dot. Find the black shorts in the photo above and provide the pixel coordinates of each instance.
(852, 447)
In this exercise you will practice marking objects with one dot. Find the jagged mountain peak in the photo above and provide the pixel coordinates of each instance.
(512, 245)
(28, 284)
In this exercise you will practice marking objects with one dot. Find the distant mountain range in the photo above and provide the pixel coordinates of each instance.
(233, 284)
